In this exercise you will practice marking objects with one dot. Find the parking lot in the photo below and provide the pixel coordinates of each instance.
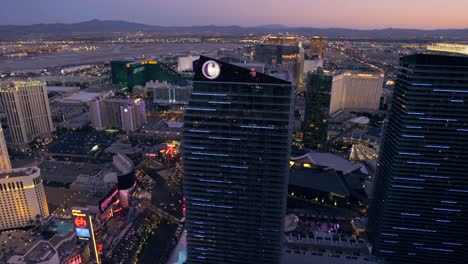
(66, 172)
(85, 144)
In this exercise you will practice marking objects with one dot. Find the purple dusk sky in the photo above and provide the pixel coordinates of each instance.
(361, 14)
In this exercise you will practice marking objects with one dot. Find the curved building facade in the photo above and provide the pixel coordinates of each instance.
(126, 181)
(126, 178)
(5, 163)
(356, 92)
(22, 196)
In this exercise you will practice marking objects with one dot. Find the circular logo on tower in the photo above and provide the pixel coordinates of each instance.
(211, 69)
(80, 222)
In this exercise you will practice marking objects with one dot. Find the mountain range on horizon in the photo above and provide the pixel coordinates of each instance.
(9, 32)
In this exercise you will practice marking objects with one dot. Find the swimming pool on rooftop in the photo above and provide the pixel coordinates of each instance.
(62, 227)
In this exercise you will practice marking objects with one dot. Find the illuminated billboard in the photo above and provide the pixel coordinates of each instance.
(75, 260)
(81, 222)
(107, 201)
(84, 229)
(82, 232)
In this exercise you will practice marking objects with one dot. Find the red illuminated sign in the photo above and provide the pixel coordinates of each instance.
(81, 222)
(75, 260)
(107, 216)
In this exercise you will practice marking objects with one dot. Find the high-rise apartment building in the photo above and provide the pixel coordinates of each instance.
(285, 57)
(317, 108)
(281, 40)
(26, 106)
(23, 201)
(5, 164)
(236, 146)
(128, 114)
(419, 211)
(356, 92)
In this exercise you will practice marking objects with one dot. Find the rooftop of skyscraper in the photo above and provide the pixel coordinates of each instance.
(19, 172)
(14, 85)
(449, 48)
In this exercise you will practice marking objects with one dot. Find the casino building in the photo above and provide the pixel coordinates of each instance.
(236, 147)
(128, 114)
(27, 109)
(130, 73)
(22, 199)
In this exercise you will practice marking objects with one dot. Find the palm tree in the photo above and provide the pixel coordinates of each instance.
(38, 219)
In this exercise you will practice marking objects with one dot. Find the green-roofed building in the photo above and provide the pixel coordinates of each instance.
(130, 73)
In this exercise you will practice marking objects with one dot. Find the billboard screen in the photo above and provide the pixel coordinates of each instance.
(107, 201)
(81, 222)
(82, 232)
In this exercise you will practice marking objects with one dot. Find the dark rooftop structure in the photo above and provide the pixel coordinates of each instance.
(318, 179)
(328, 179)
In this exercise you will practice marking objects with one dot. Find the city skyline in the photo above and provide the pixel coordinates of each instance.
(233, 132)
(358, 14)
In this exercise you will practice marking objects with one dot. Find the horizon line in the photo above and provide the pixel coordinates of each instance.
(250, 26)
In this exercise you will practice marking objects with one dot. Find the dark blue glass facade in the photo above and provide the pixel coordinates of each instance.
(419, 213)
(317, 107)
(236, 146)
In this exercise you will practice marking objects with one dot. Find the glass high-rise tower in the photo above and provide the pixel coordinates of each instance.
(317, 107)
(420, 208)
(236, 146)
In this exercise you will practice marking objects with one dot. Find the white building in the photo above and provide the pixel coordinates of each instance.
(127, 114)
(449, 47)
(5, 164)
(356, 92)
(312, 65)
(26, 106)
(166, 94)
(22, 196)
(186, 63)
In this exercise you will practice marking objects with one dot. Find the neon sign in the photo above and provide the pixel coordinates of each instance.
(80, 222)
(106, 202)
(75, 260)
